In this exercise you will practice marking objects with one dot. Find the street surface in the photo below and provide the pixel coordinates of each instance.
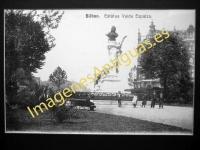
(170, 115)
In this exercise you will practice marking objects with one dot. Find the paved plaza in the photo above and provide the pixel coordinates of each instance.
(170, 115)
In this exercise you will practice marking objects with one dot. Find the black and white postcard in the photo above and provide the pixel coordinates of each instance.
(99, 71)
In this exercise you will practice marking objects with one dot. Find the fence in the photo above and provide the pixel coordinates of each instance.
(102, 96)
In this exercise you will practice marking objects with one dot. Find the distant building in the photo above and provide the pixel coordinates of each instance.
(37, 79)
(187, 35)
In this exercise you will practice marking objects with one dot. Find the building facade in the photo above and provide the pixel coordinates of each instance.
(188, 36)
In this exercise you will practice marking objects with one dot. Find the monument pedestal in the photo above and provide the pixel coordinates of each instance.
(112, 83)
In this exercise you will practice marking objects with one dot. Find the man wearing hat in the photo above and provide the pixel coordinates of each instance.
(119, 98)
(153, 100)
(161, 100)
(144, 101)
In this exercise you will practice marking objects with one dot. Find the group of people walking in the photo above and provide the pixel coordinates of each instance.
(159, 98)
(155, 97)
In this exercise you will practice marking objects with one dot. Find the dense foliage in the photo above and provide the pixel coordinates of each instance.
(169, 61)
(27, 39)
(58, 77)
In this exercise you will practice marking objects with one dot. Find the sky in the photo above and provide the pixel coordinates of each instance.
(81, 43)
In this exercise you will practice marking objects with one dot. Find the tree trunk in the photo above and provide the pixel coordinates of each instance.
(165, 87)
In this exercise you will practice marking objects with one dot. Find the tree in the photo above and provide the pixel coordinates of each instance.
(58, 77)
(169, 61)
(27, 39)
(32, 94)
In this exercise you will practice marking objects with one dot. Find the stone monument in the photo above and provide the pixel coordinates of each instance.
(113, 81)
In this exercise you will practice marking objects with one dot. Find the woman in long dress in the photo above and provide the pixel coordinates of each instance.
(134, 101)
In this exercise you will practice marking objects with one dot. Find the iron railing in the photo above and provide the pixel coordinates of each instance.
(102, 96)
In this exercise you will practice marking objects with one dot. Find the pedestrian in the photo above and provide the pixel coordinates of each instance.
(134, 101)
(161, 100)
(88, 98)
(153, 100)
(119, 98)
(144, 100)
